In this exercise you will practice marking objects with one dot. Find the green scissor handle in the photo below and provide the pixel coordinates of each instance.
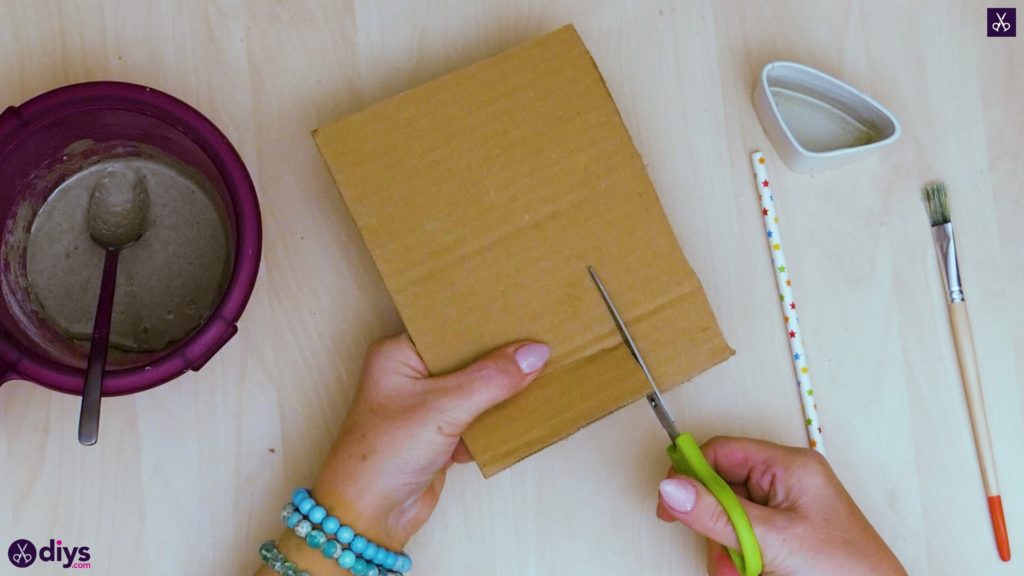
(688, 459)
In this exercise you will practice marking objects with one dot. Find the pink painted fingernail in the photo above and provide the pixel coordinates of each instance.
(532, 357)
(679, 494)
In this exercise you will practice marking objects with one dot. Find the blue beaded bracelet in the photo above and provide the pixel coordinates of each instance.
(331, 549)
(277, 562)
(351, 551)
(307, 506)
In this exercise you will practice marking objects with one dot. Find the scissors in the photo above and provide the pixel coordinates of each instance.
(1001, 25)
(687, 458)
(22, 557)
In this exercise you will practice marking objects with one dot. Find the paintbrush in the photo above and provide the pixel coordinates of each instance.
(942, 233)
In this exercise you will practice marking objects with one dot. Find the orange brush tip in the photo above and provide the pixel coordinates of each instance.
(995, 509)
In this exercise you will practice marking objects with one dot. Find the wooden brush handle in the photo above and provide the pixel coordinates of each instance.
(972, 388)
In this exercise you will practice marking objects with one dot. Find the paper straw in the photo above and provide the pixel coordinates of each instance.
(789, 309)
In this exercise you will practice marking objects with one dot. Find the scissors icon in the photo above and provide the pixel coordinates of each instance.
(1002, 25)
(22, 557)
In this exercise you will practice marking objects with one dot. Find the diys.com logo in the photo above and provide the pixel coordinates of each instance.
(23, 553)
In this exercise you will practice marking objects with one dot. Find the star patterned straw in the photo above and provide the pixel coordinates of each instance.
(789, 314)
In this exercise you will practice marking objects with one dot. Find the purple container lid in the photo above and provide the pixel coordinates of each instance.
(18, 360)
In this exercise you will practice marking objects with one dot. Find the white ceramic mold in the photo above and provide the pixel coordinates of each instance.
(816, 122)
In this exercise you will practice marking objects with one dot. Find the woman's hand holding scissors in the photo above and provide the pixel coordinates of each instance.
(806, 522)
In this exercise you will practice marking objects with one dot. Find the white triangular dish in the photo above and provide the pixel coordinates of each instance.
(816, 122)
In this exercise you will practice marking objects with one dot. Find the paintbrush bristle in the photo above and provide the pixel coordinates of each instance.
(938, 204)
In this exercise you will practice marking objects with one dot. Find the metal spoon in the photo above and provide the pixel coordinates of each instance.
(118, 211)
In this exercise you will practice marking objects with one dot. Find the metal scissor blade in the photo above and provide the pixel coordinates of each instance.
(654, 398)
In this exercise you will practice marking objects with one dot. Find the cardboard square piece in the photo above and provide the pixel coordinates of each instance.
(483, 196)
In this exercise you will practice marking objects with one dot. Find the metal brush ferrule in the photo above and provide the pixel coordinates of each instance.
(945, 249)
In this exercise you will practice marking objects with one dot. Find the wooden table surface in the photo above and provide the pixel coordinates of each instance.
(190, 476)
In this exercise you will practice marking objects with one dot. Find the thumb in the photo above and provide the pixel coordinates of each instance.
(689, 502)
(490, 380)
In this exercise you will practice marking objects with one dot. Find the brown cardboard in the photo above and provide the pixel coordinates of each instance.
(483, 196)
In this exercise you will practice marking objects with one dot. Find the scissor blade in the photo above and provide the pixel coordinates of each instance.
(654, 398)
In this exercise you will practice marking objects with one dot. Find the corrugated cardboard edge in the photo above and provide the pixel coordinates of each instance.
(460, 71)
(510, 454)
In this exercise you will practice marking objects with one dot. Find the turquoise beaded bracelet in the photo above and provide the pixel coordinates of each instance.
(332, 549)
(277, 562)
(352, 551)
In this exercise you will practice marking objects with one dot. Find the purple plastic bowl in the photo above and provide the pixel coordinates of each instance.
(41, 143)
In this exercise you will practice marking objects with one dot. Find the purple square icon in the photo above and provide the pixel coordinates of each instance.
(1002, 22)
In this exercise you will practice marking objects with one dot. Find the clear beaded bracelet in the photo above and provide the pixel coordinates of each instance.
(277, 562)
(339, 542)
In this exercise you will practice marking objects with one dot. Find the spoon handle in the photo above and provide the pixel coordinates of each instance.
(89, 417)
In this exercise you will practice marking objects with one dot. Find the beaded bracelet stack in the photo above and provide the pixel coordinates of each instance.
(339, 542)
(277, 562)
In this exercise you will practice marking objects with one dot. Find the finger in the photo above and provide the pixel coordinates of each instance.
(687, 501)
(736, 458)
(662, 511)
(503, 373)
(719, 562)
(741, 491)
(666, 516)
(462, 454)
(763, 467)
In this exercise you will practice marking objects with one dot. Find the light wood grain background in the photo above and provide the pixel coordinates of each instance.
(190, 477)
